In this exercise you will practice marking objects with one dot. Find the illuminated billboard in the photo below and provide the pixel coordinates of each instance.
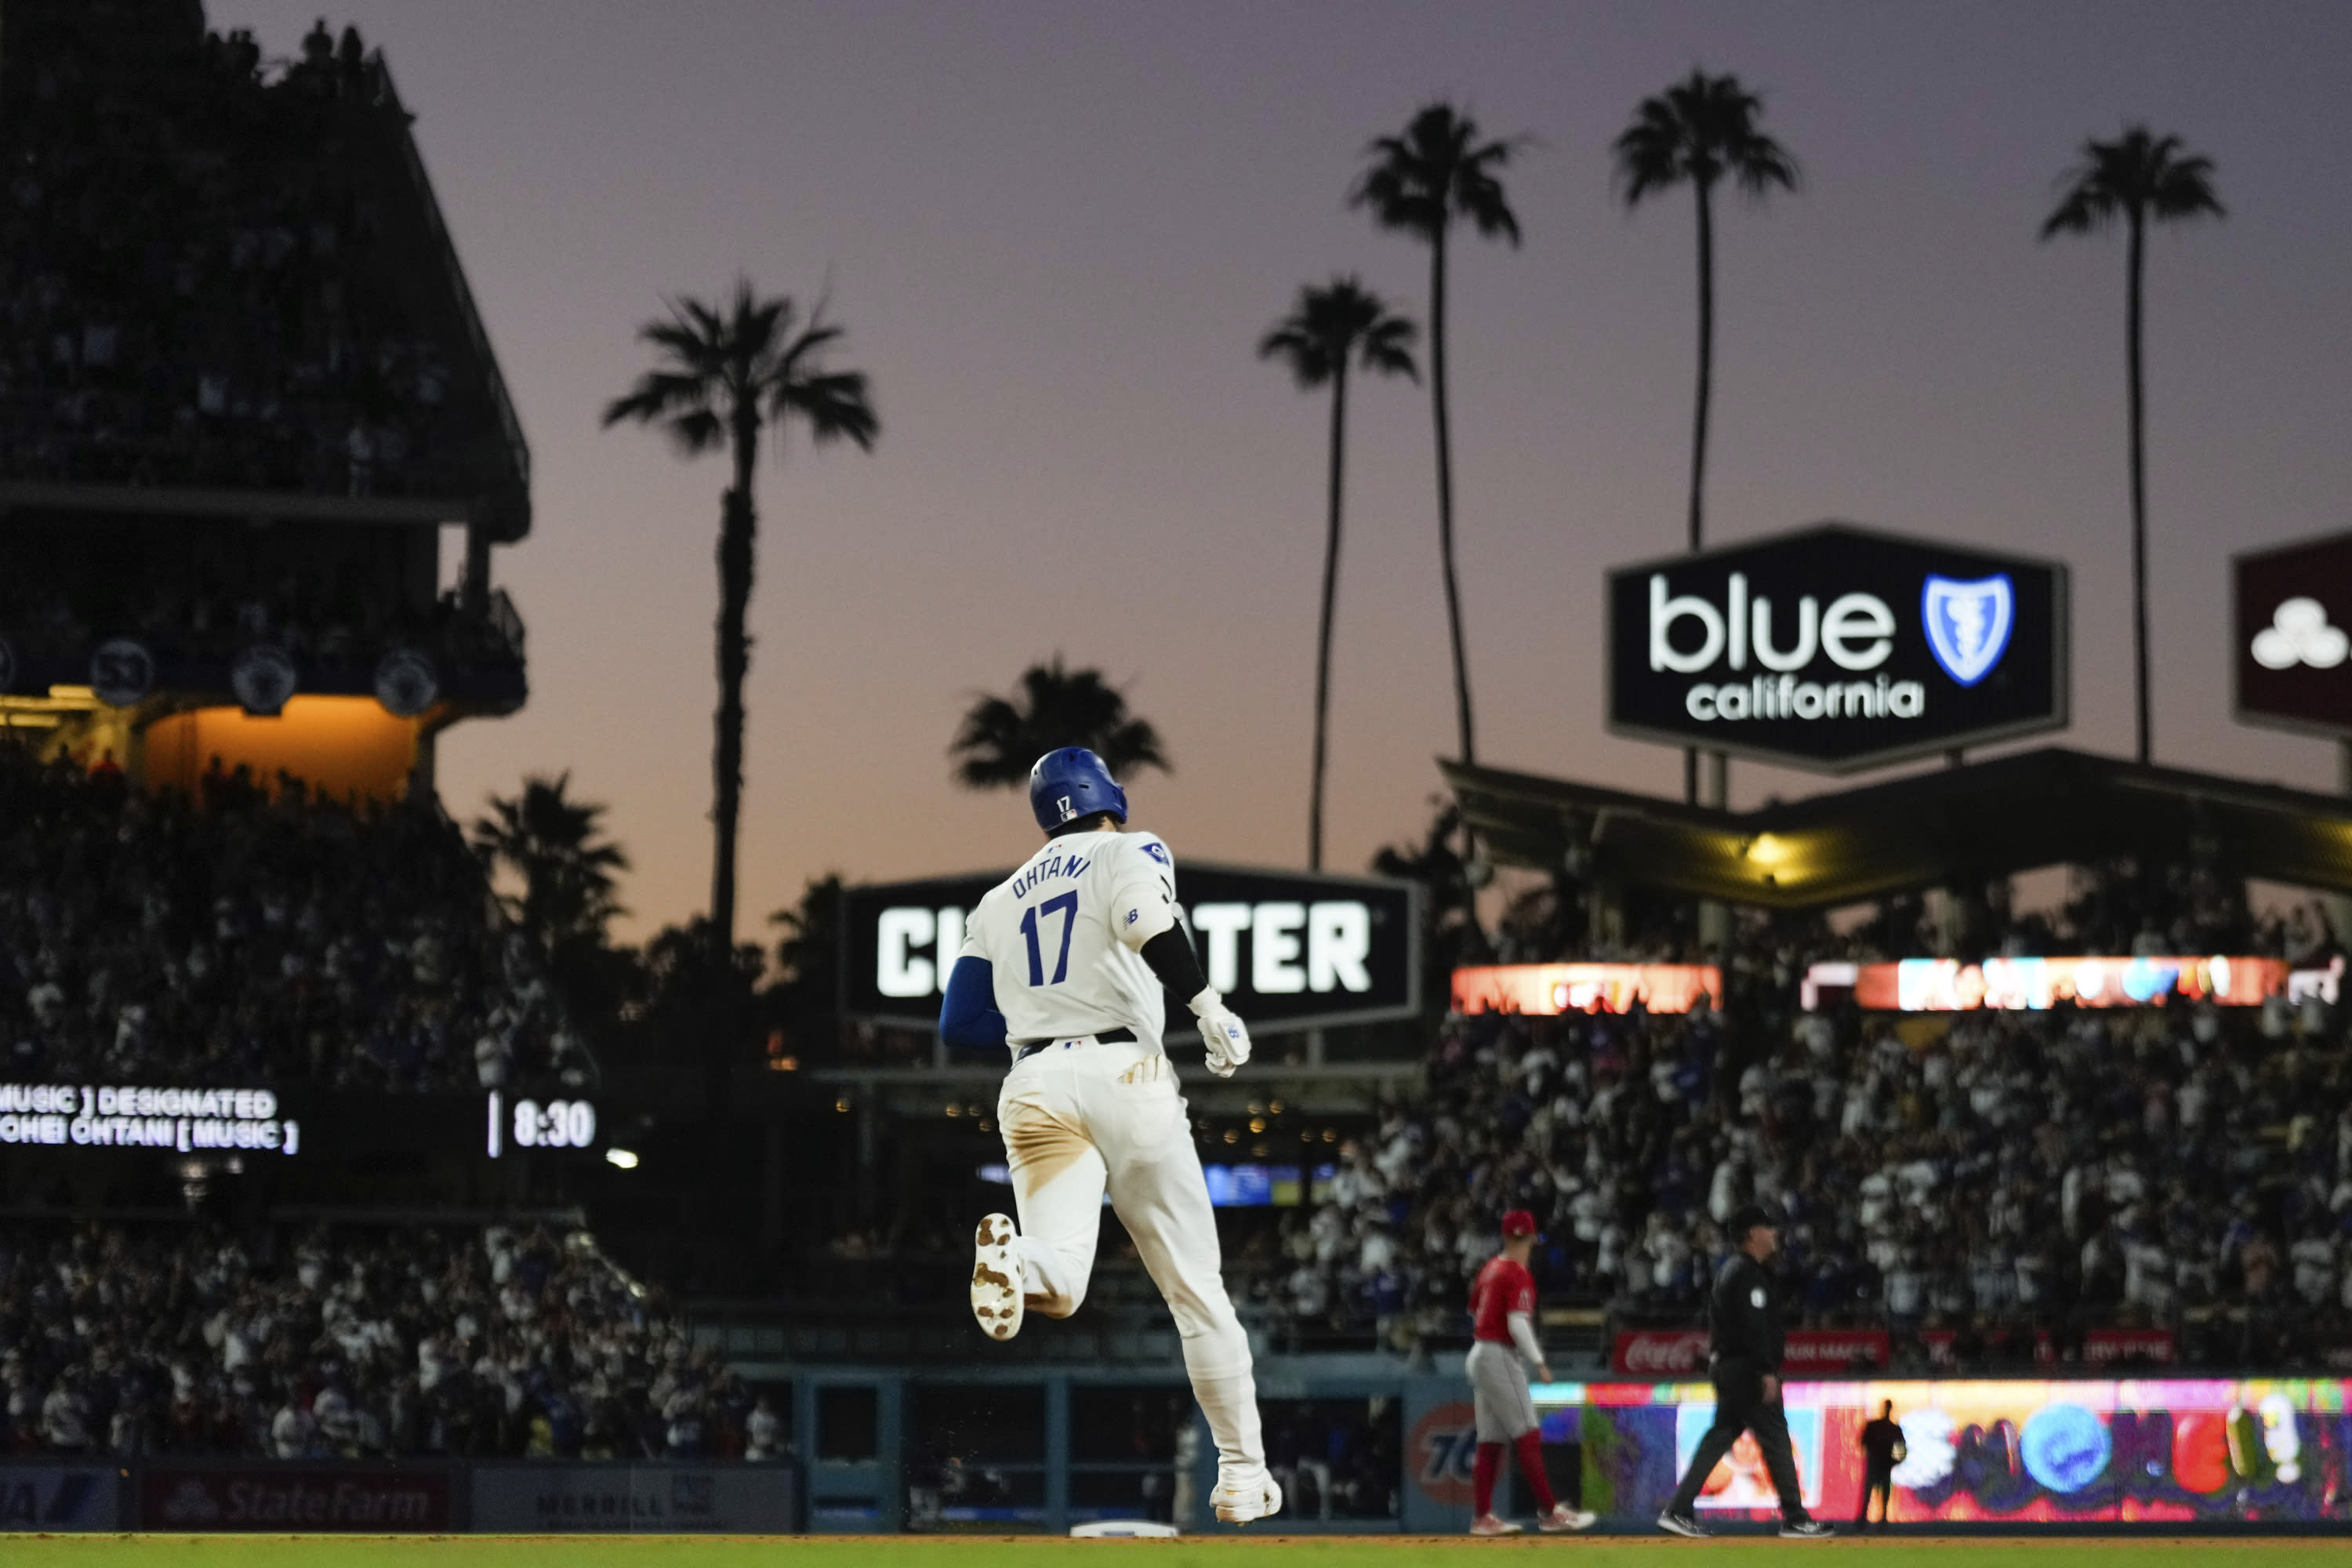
(2292, 655)
(1837, 647)
(1289, 950)
(1551, 988)
(2030, 985)
(2161, 1451)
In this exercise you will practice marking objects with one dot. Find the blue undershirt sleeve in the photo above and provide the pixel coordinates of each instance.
(969, 1020)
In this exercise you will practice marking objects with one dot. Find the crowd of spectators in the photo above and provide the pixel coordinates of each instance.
(195, 266)
(191, 1339)
(1986, 1178)
(249, 936)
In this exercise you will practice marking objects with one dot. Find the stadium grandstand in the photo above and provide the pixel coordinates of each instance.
(246, 394)
(255, 457)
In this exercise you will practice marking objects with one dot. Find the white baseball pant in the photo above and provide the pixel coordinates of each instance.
(1078, 1117)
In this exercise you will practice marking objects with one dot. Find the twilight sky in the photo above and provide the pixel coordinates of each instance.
(1054, 233)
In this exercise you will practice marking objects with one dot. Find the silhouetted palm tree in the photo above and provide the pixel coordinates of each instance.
(722, 373)
(555, 847)
(1002, 738)
(1325, 330)
(1419, 182)
(2140, 178)
(1697, 133)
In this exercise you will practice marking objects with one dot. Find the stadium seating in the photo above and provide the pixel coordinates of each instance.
(1987, 1191)
(202, 284)
(251, 936)
(175, 1338)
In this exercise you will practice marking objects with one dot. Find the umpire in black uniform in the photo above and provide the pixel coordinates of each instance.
(1745, 1364)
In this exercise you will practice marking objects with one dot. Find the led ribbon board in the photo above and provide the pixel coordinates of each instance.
(1553, 988)
(2031, 984)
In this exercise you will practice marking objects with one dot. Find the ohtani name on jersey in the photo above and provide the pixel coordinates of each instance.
(1029, 881)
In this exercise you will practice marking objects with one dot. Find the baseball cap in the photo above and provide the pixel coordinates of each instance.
(1747, 1216)
(1517, 1224)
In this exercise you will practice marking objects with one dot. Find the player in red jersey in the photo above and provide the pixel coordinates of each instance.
(1503, 1303)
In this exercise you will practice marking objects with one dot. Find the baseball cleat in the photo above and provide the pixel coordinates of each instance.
(1683, 1525)
(1487, 1525)
(1562, 1519)
(996, 1278)
(1807, 1529)
(1242, 1495)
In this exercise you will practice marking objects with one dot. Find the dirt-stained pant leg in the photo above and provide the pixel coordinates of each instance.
(1058, 1181)
(1140, 1123)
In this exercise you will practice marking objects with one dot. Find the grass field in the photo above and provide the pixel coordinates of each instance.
(1253, 1552)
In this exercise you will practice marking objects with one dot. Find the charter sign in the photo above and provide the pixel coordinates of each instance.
(1837, 647)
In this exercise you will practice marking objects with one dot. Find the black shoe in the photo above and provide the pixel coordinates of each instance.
(1808, 1530)
(1675, 1523)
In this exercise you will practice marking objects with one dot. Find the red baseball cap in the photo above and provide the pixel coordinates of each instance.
(1517, 1223)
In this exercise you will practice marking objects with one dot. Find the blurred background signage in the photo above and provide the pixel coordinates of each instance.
(2293, 659)
(1837, 647)
(1548, 988)
(1289, 950)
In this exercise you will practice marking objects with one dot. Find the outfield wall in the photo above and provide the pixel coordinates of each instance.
(416, 1497)
(2153, 1454)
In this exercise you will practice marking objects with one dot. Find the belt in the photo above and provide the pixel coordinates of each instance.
(1027, 1048)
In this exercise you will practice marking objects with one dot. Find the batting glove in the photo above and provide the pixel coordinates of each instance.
(1224, 1035)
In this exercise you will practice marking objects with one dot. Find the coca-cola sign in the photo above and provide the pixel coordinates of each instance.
(1682, 1353)
(1661, 1353)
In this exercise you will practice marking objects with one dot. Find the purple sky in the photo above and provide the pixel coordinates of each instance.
(1055, 232)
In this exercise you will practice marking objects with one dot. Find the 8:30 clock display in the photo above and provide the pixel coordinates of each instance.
(542, 1124)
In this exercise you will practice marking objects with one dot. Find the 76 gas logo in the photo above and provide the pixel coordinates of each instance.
(1443, 1447)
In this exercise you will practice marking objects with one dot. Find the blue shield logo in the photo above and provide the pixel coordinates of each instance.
(1969, 624)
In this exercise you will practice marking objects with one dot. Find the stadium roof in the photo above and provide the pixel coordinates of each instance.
(1945, 828)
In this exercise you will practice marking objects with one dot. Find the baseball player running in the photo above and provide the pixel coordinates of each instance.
(1503, 1347)
(1063, 964)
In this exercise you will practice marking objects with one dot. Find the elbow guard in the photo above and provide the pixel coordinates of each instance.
(1170, 953)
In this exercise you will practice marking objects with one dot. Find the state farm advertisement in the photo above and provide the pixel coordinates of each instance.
(375, 1498)
(1682, 1353)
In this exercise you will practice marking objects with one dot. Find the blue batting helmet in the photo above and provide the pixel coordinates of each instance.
(1072, 783)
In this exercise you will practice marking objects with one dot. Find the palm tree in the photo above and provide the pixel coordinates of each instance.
(1695, 132)
(1419, 183)
(555, 847)
(1003, 737)
(1325, 330)
(721, 374)
(2139, 178)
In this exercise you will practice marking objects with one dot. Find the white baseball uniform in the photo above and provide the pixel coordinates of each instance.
(1082, 1114)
